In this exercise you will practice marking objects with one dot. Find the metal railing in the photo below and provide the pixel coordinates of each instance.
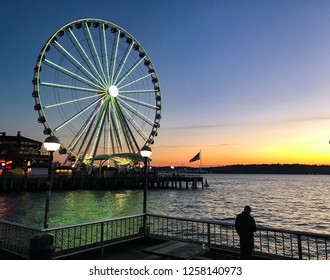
(15, 238)
(89, 236)
(68, 240)
(273, 243)
(292, 244)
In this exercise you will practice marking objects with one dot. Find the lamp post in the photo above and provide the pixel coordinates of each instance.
(145, 153)
(51, 144)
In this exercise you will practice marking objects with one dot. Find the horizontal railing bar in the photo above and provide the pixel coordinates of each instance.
(20, 225)
(191, 219)
(262, 228)
(314, 234)
(93, 223)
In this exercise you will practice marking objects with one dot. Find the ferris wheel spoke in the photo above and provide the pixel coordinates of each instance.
(115, 132)
(76, 115)
(88, 137)
(136, 126)
(133, 124)
(135, 101)
(139, 91)
(105, 50)
(68, 87)
(127, 134)
(87, 125)
(98, 129)
(111, 143)
(76, 63)
(94, 53)
(107, 134)
(123, 62)
(79, 135)
(129, 71)
(117, 124)
(114, 56)
(115, 135)
(91, 66)
(68, 102)
(92, 145)
(70, 74)
(135, 81)
(130, 141)
(136, 113)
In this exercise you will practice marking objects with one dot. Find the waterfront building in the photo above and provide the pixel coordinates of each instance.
(19, 152)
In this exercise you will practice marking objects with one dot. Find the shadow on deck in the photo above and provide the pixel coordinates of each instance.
(139, 250)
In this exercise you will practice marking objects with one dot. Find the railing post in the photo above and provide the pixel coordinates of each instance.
(145, 224)
(299, 247)
(102, 238)
(209, 235)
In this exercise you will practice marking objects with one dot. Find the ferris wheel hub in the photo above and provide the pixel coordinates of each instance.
(113, 91)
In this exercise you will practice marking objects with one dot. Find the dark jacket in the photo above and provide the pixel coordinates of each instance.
(245, 225)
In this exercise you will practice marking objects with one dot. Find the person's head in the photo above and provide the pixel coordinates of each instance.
(247, 209)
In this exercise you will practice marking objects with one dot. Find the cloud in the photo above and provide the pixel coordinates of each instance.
(194, 146)
(253, 122)
(312, 118)
(196, 126)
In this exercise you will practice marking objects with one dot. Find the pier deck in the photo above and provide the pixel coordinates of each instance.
(141, 250)
(117, 181)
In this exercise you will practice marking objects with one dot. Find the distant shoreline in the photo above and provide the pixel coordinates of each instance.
(294, 169)
(299, 169)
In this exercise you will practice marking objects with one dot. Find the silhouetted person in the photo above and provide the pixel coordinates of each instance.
(245, 226)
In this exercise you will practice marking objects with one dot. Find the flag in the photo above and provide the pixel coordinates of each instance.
(196, 157)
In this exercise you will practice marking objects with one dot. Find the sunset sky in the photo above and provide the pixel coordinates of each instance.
(242, 81)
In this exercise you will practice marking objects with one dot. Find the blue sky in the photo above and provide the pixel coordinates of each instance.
(243, 81)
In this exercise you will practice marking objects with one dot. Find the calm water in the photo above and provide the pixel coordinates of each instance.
(296, 202)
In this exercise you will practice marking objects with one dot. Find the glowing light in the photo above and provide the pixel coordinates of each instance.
(113, 91)
(52, 143)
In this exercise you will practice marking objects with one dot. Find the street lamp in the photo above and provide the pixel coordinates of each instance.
(145, 153)
(51, 144)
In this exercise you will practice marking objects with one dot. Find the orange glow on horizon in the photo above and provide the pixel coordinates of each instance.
(229, 155)
(265, 142)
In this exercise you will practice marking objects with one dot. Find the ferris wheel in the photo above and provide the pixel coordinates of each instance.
(96, 89)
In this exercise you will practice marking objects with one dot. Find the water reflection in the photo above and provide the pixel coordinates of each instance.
(6, 207)
(288, 202)
(85, 206)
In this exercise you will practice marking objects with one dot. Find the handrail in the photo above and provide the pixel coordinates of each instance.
(19, 225)
(297, 232)
(92, 223)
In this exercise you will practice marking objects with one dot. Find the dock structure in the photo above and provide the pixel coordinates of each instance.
(10, 183)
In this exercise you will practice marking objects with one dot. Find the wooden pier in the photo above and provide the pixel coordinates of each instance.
(9, 183)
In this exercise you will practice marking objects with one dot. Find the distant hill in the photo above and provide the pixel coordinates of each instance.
(271, 169)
